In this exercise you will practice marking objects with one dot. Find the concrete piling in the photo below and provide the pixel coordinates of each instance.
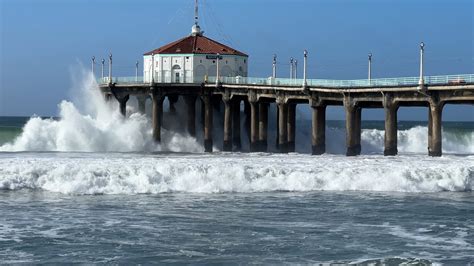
(236, 139)
(227, 146)
(208, 125)
(282, 125)
(318, 132)
(291, 127)
(435, 138)
(391, 127)
(190, 101)
(157, 116)
(263, 126)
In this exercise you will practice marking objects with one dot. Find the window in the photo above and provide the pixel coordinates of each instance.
(176, 61)
(200, 61)
(240, 68)
(213, 61)
(226, 62)
(245, 61)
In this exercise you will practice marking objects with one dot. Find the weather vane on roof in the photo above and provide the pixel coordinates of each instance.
(196, 30)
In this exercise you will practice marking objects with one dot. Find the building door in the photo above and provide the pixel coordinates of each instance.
(176, 74)
(176, 77)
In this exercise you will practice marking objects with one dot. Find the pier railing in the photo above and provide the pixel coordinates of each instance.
(403, 81)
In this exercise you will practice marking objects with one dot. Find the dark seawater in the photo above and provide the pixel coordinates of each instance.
(240, 208)
(38, 226)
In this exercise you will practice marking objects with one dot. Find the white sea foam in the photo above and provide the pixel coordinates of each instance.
(139, 173)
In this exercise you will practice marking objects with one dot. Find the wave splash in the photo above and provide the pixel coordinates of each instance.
(98, 128)
(220, 173)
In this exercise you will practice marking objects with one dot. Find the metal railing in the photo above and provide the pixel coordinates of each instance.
(403, 81)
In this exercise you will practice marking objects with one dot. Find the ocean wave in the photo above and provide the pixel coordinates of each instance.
(223, 173)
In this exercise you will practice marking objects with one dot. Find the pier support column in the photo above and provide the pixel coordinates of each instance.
(227, 146)
(282, 124)
(262, 126)
(172, 99)
(391, 127)
(247, 122)
(252, 97)
(157, 115)
(434, 127)
(291, 127)
(141, 99)
(236, 140)
(191, 114)
(207, 123)
(351, 127)
(358, 129)
(123, 104)
(318, 133)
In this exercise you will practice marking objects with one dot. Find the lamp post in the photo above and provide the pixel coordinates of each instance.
(153, 68)
(136, 71)
(305, 65)
(295, 75)
(291, 68)
(110, 68)
(370, 67)
(422, 49)
(102, 70)
(93, 64)
(217, 70)
(274, 66)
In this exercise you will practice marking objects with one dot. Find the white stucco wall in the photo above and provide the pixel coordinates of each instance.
(192, 67)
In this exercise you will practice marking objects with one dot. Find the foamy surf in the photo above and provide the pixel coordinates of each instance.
(224, 173)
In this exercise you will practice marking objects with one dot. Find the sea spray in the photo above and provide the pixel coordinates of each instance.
(98, 127)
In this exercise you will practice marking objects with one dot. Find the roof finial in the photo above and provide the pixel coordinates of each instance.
(196, 30)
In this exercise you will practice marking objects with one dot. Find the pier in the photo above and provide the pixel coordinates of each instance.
(257, 94)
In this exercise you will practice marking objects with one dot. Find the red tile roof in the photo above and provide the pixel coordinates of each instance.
(196, 45)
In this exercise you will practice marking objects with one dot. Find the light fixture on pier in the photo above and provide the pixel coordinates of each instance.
(152, 68)
(291, 68)
(295, 75)
(102, 70)
(421, 82)
(136, 71)
(217, 69)
(93, 64)
(370, 67)
(274, 65)
(305, 65)
(110, 68)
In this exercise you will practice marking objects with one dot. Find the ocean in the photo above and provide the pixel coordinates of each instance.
(92, 187)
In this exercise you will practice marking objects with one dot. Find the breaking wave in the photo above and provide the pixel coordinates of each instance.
(219, 173)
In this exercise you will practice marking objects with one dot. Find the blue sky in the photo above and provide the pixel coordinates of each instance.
(44, 42)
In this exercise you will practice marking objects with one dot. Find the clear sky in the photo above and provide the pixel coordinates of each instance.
(44, 42)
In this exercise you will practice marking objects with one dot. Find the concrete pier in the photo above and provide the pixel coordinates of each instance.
(227, 146)
(387, 94)
(351, 127)
(123, 103)
(391, 127)
(434, 126)
(282, 125)
(318, 132)
(208, 123)
(263, 126)
(291, 127)
(190, 101)
(141, 100)
(172, 100)
(254, 136)
(236, 139)
(358, 129)
(157, 116)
